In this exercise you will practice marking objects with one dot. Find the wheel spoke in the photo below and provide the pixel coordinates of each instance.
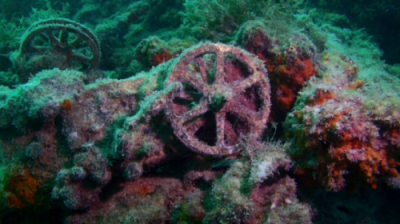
(196, 82)
(195, 112)
(243, 112)
(53, 40)
(44, 37)
(220, 118)
(64, 37)
(245, 84)
(194, 125)
(220, 73)
(81, 58)
(203, 68)
(41, 49)
(75, 44)
(183, 95)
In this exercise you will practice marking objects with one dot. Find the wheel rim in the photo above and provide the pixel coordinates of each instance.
(225, 95)
(76, 42)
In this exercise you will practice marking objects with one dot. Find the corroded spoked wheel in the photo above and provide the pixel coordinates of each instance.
(225, 96)
(76, 43)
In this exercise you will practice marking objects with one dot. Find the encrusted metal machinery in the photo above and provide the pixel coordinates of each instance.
(101, 145)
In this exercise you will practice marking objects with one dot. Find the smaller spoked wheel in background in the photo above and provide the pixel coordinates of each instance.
(76, 44)
(225, 96)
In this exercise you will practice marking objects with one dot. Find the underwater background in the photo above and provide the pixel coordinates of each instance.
(200, 111)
